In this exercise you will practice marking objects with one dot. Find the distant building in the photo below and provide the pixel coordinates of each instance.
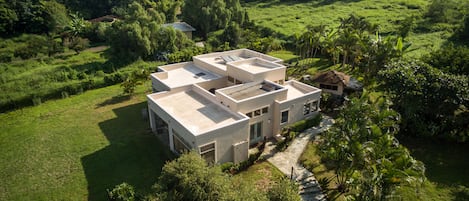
(182, 26)
(336, 82)
(221, 103)
(106, 18)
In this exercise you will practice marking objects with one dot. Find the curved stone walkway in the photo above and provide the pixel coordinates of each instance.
(287, 161)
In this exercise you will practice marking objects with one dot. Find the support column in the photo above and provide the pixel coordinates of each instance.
(151, 114)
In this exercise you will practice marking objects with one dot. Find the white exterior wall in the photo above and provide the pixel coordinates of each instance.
(217, 84)
(295, 108)
(274, 75)
(172, 124)
(224, 139)
(158, 85)
(202, 64)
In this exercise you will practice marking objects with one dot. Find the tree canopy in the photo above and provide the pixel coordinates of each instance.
(190, 178)
(140, 34)
(431, 102)
(366, 154)
(210, 15)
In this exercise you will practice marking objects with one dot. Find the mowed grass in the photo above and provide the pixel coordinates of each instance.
(76, 148)
(290, 18)
(262, 175)
(446, 170)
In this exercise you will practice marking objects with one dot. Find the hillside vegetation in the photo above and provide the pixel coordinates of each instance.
(292, 17)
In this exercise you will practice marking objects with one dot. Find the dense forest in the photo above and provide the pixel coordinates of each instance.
(53, 49)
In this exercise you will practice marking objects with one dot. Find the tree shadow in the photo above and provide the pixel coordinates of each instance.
(461, 194)
(114, 100)
(445, 162)
(89, 67)
(134, 155)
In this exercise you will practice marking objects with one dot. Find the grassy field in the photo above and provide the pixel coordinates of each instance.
(292, 17)
(76, 148)
(447, 170)
(262, 175)
(59, 76)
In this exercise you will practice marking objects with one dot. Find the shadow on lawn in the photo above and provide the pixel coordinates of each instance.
(134, 154)
(114, 100)
(445, 162)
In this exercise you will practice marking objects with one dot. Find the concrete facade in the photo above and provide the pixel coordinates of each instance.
(222, 102)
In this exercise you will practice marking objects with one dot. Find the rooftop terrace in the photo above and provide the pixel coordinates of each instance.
(183, 74)
(194, 111)
(220, 59)
(297, 89)
(249, 90)
(255, 65)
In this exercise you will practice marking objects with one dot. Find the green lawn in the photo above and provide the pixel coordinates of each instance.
(262, 175)
(292, 17)
(76, 148)
(447, 170)
(60, 75)
(446, 163)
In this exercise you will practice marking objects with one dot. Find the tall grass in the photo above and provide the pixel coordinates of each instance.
(292, 17)
(33, 81)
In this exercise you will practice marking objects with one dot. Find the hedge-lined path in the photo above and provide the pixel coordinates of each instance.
(287, 161)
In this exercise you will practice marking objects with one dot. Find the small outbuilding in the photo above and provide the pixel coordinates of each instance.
(337, 83)
(182, 26)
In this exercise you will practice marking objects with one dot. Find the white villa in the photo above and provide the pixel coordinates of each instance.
(220, 103)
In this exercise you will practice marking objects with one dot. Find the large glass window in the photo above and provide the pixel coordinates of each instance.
(306, 108)
(265, 110)
(255, 131)
(314, 106)
(180, 145)
(208, 152)
(284, 117)
(330, 87)
(310, 107)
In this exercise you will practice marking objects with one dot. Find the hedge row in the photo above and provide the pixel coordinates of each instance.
(290, 132)
(64, 92)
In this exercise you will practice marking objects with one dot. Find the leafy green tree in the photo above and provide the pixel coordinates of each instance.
(443, 11)
(139, 35)
(122, 192)
(431, 102)
(53, 46)
(450, 59)
(133, 80)
(406, 26)
(210, 15)
(8, 18)
(363, 147)
(189, 178)
(57, 17)
(232, 34)
(35, 44)
(79, 44)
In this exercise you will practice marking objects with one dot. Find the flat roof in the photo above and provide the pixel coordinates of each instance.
(216, 58)
(244, 91)
(255, 65)
(185, 74)
(195, 112)
(297, 89)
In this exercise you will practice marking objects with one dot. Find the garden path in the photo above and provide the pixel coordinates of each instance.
(287, 161)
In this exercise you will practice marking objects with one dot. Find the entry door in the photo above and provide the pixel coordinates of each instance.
(255, 132)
